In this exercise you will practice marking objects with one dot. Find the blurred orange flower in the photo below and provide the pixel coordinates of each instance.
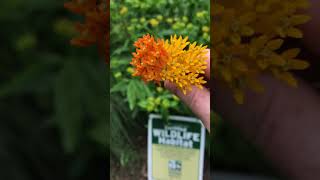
(95, 26)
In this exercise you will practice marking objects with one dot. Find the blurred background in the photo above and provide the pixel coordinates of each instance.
(234, 157)
(132, 100)
(53, 106)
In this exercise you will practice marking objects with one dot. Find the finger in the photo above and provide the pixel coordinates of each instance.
(312, 27)
(283, 121)
(198, 100)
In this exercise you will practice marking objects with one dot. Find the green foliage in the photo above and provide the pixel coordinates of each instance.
(136, 90)
(130, 19)
(79, 97)
(26, 41)
(122, 146)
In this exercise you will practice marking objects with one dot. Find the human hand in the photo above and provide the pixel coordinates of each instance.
(198, 100)
(284, 122)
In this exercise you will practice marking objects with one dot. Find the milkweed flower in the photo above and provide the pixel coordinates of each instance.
(150, 58)
(175, 60)
(248, 41)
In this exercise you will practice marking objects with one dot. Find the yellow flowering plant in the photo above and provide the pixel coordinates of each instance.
(158, 60)
(248, 40)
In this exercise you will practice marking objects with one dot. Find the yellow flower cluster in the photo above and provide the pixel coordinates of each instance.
(248, 39)
(174, 60)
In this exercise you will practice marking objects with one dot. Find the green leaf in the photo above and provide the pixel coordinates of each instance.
(95, 99)
(99, 133)
(165, 114)
(132, 94)
(68, 105)
(121, 49)
(137, 90)
(33, 79)
(81, 95)
(119, 87)
(173, 103)
(143, 104)
(143, 89)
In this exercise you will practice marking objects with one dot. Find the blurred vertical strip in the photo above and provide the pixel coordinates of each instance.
(108, 31)
(107, 56)
(212, 117)
(211, 45)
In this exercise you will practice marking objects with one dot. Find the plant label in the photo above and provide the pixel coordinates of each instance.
(175, 148)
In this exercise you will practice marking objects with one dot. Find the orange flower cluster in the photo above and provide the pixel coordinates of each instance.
(159, 60)
(150, 58)
(95, 27)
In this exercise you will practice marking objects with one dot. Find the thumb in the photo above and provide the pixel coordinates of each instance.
(198, 100)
